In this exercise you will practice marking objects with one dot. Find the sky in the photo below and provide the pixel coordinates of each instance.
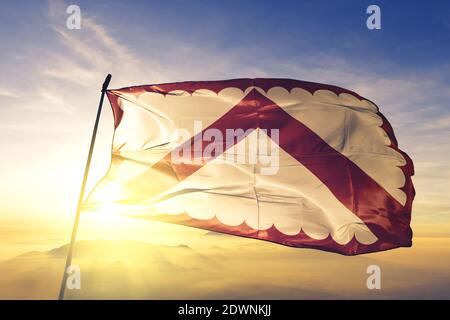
(49, 89)
(51, 79)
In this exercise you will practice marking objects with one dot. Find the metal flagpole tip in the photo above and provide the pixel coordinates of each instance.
(106, 83)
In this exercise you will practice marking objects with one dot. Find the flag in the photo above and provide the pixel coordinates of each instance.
(297, 163)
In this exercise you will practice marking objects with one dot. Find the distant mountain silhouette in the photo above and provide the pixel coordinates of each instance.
(244, 270)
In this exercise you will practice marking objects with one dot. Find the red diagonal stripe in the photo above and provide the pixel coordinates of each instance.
(362, 195)
(354, 188)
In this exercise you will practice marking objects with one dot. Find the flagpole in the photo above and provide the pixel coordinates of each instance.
(83, 189)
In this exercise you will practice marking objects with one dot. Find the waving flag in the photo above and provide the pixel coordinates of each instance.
(297, 163)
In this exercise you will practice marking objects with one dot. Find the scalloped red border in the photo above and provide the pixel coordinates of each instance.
(272, 234)
(218, 85)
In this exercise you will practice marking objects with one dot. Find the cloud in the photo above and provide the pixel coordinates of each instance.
(439, 123)
(137, 270)
(63, 81)
(4, 92)
(88, 53)
(47, 110)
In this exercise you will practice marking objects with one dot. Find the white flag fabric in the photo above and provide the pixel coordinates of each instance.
(297, 163)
